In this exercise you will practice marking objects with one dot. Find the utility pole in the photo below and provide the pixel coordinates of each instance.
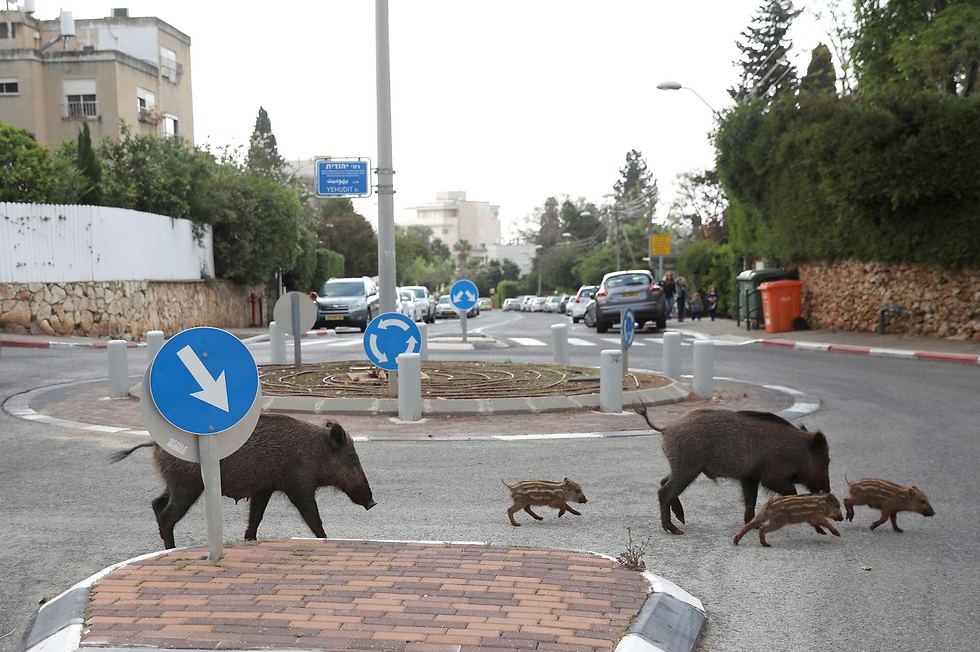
(616, 232)
(386, 187)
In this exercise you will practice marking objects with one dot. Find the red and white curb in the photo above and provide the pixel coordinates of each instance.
(872, 351)
(59, 344)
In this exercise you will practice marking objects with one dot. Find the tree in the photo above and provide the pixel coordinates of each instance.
(263, 153)
(350, 235)
(698, 210)
(88, 166)
(766, 72)
(636, 190)
(462, 249)
(820, 75)
(839, 29)
(581, 221)
(509, 270)
(26, 171)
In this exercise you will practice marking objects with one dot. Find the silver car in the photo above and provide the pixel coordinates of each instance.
(347, 302)
(634, 288)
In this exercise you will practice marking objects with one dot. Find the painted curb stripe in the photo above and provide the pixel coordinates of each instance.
(962, 358)
(948, 357)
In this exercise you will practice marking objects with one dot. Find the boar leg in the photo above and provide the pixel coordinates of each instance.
(750, 491)
(527, 508)
(256, 509)
(745, 530)
(570, 509)
(510, 515)
(669, 492)
(305, 502)
(762, 537)
(849, 506)
(180, 501)
(895, 523)
(827, 524)
(880, 521)
(675, 506)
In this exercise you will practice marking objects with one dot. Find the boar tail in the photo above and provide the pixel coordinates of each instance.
(121, 455)
(642, 411)
(505, 484)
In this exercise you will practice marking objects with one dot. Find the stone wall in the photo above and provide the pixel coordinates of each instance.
(125, 309)
(847, 295)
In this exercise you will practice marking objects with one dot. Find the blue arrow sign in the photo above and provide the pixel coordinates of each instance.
(388, 336)
(203, 381)
(629, 327)
(463, 294)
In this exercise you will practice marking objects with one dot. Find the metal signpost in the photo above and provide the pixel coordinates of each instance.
(627, 328)
(388, 336)
(202, 404)
(295, 314)
(660, 246)
(463, 295)
(343, 177)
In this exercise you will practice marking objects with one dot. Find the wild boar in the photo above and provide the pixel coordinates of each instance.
(542, 492)
(282, 454)
(888, 497)
(814, 509)
(752, 447)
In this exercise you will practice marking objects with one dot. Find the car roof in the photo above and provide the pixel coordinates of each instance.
(627, 271)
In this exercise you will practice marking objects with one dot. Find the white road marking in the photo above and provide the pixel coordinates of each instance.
(580, 342)
(527, 341)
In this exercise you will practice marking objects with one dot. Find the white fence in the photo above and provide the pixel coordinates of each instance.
(47, 243)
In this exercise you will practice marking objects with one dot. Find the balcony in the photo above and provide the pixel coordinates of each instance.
(150, 116)
(83, 110)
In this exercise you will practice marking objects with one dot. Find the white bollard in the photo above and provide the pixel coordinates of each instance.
(278, 340)
(611, 381)
(704, 368)
(154, 341)
(410, 387)
(118, 369)
(424, 344)
(559, 343)
(672, 355)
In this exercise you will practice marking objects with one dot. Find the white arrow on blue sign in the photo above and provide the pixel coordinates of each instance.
(464, 294)
(203, 381)
(388, 336)
(628, 327)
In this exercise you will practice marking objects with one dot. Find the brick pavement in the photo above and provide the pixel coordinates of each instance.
(360, 595)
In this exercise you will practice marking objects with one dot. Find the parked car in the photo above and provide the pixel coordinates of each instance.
(636, 289)
(408, 305)
(537, 305)
(347, 302)
(589, 316)
(526, 302)
(551, 303)
(444, 308)
(485, 303)
(563, 306)
(577, 304)
(513, 303)
(428, 301)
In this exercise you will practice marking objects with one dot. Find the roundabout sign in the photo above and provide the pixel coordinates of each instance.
(388, 336)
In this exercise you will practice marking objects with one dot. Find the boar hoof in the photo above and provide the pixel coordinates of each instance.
(673, 529)
(766, 545)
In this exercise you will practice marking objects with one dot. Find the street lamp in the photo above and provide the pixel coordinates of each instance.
(537, 250)
(676, 86)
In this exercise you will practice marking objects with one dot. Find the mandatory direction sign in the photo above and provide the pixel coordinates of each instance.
(343, 177)
(388, 336)
(628, 327)
(463, 294)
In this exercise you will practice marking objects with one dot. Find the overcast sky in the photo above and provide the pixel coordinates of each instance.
(512, 101)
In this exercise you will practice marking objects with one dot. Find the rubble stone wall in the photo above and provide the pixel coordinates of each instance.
(847, 295)
(126, 309)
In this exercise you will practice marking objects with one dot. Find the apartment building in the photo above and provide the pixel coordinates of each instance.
(453, 218)
(55, 74)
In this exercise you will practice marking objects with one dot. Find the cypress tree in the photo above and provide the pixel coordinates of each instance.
(88, 164)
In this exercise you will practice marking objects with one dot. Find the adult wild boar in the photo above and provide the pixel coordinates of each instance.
(752, 447)
(282, 454)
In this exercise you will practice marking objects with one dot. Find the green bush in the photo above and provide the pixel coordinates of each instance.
(329, 264)
(27, 173)
(506, 290)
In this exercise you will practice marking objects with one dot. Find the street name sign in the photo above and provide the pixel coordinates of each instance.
(348, 177)
(388, 336)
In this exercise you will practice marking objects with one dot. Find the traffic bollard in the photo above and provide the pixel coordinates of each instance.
(118, 369)
(704, 368)
(611, 381)
(278, 341)
(410, 387)
(559, 343)
(424, 344)
(154, 340)
(672, 355)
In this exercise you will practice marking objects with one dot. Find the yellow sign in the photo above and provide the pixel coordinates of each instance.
(660, 244)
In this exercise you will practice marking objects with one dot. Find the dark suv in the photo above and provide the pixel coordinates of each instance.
(347, 302)
(634, 289)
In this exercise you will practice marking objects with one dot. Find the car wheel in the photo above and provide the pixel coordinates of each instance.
(662, 323)
(575, 320)
(367, 321)
(601, 326)
(590, 318)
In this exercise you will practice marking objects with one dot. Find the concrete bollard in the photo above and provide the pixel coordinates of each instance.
(559, 343)
(611, 381)
(704, 368)
(118, 369)
(278, 341)
(424, 344)
(672, 355)
(154, 341)
(410, 387)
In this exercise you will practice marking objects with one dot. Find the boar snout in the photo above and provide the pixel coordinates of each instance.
(929, 512)
(370, 505)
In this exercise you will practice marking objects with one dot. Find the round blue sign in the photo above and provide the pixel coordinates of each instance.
(388, 336)
(203, 381)
(464, 294)
(629, 327)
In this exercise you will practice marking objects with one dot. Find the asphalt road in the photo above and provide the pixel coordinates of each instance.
(64, 514)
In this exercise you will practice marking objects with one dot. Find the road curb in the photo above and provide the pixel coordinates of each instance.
(872, 351)
(57, 344)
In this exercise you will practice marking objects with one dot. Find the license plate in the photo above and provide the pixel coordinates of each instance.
(630, 295)
(335, 317)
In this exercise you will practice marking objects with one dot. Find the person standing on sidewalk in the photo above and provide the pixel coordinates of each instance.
(667, 285)
(697, 306)
(712, 298)
(681, 295)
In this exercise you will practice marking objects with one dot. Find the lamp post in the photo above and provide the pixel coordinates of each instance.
(537, 255)
(676, 86)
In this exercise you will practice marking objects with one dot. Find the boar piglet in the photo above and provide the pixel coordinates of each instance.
(752, 447)
(814, 509)
(888, 497)
(282, 454)
(542, 492)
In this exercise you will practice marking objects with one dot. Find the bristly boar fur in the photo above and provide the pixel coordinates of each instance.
(282, 454)
(752, 447)
(888, 497)
(814, 509)
(542, 492)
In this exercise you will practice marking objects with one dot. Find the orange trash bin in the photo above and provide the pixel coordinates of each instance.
(781, 304)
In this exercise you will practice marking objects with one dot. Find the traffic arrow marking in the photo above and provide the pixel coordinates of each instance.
(214, 391)
(378, 353)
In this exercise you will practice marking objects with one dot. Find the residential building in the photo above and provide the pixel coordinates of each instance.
(521, 254)
(453, 218)
(54, 74)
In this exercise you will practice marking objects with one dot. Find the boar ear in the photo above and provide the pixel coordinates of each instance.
(803, 428)
(566, 480)
(337, 437)
(818, 443)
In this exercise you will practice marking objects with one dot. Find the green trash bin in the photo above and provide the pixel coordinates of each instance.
(749, 297)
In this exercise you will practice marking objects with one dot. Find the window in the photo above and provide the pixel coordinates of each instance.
(145, 100)
(8, 30)
(81, 106)
(171, 126)
(9, 87)
(168, 65)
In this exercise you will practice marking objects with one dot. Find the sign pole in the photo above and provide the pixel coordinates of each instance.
(622, 342)
(660, 269)
(462, 323)
(213, 511)
(295, 327)
(386, 187)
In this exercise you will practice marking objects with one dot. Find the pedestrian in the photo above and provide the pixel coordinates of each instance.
(681, 296)
(667, 285)
(712, 297)
(697, 306)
